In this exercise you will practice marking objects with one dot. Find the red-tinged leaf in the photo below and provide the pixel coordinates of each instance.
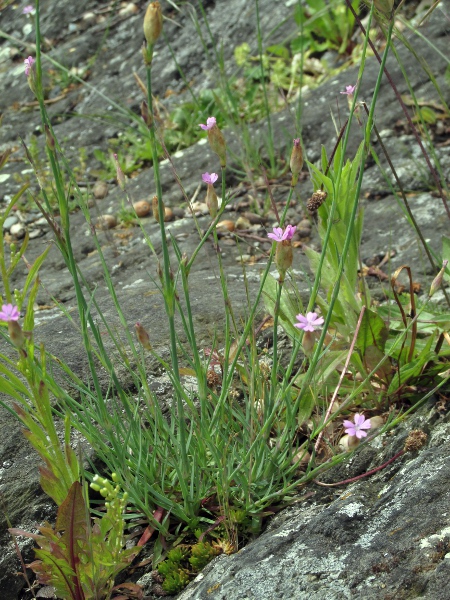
(158, 516)
(134, 591)
(57, 572)
(71, 520)
(213, 526)
(14, 531)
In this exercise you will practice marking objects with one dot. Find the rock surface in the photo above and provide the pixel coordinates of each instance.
(384, 537)
(133, 269)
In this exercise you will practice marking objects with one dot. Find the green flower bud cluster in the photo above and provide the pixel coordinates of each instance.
(115, 500)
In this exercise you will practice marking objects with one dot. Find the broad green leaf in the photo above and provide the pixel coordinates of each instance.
(373, 332)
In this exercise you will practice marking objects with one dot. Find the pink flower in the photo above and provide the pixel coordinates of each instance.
(349, 89)
(297, 142)
(210, 122)
(357, 428)
(279, 235)
(28, 9)
(9, 312)
(309, 323)
(28, 62)
(210, 178)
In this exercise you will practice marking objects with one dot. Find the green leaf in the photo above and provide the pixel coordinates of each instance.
(33, 271)
(446, 255)
(373, 332)
(290, 305)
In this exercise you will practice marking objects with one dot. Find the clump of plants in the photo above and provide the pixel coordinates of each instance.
(232, 450)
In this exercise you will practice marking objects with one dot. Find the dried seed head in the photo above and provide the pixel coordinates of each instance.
(213, 379)
(415, 440)
(316, 200)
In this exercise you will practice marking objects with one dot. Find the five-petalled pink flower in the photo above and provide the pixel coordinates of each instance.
(210, 178)
(210, 122)
(28, 9)
(279, 235)
(357, 427)
(309, 323)
(28, 62)
(9, 312)
(349, 90)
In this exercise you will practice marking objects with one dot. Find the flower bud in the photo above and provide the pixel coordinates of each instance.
(218, 144)
(296, 162)
(211, 201)
(49, 139)
(145, 114)
(153, 23)
(437, 281)
(309, 339)
(143, 337)
(283, 257)
(120, 175)
(16, 334)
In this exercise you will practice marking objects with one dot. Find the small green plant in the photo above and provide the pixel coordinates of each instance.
(80, 559)
(183, 562)
(235, 448)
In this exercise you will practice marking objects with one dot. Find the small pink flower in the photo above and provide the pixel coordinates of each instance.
(9, 312)
(297, 142)
(210, 178)
(210, 122)
(309, 323)
(357, 428)
(349, 90)
(28, 62)
(279, 235)
(28, 9)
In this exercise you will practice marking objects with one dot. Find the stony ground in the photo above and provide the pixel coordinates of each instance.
(103, 40)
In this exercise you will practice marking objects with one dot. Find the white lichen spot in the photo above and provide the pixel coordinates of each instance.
(136, 283)
(352, 509)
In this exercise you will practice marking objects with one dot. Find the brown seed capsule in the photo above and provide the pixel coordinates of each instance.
(143, 337)
(316, 200)
(155, 208)
(296, 162)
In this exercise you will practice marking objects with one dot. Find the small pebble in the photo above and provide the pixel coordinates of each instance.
(10, 221)
(106, 222)
(254, 218)
(243, 223)
(35, 233)
(225, 226)
(17, 230)
(168, 214)
(142, 208)
(100, 190)
(41, 221)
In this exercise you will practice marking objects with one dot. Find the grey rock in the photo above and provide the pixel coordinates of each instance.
(332, 564)
(9, 222)
(383, 537)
